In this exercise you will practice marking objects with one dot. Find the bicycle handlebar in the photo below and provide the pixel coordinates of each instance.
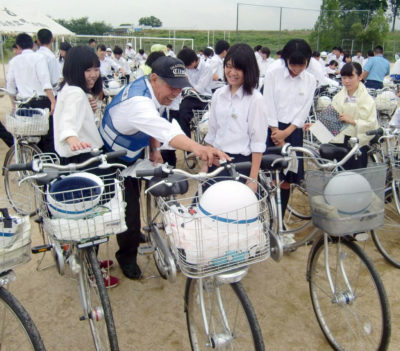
(37, 165)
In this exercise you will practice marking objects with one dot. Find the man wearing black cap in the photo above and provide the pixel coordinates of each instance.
(133, 121)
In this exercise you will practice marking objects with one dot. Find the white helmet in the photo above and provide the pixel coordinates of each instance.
(323, 102)
(129, 44)
(386, 102)
(230, 202)
(324, 54)
(74, 196)
(349, 192)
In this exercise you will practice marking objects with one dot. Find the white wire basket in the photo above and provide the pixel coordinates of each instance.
(206, 244)
(15, 239)
(200, 121)
(83, 213)
(395, 162)
(347, 202)
(28, 122)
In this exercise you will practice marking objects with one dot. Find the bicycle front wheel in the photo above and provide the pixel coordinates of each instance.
(96, 303)
(17, 330)
(20, 196)
(386, 238)
(355, 315)
(226, 310)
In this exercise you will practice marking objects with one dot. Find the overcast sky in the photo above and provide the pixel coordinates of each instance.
(182, 14)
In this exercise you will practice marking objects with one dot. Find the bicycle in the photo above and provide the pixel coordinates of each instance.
(78, 212)
(198, 125)
(26, 125)
(17, 329)
(387, 151)
(219, 314)
(347, 293)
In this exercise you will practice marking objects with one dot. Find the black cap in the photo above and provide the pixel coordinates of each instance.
(172, 70)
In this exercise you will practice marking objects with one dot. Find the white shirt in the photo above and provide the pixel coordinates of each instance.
(140, 58)
(170, 53)
(319, 73)
(28, 75)
(73, 116)
(130, 53)
(123, 64)
(106, 65)
(238, 123)
(217, 66)
(264, 64)
(52, 64)
(288, 99)
(201, 78)
(396, 68)
(141, 113)
(360, 60)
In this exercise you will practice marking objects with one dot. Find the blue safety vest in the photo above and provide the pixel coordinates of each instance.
(113, 139)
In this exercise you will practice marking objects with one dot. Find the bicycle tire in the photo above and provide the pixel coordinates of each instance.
(96, 303)
(190, 159)
(245, 333)
(164, 262)
(21, 197)
(386, 237)
(17, 329)
(357, 320)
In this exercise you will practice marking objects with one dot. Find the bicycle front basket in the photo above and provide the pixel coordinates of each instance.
(347, 202)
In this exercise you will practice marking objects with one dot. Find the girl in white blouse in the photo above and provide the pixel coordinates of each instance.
(74, 121)
(75, 130)
(288, 94)
(238, 124)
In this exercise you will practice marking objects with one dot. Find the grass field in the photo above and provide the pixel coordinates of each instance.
(275, 40)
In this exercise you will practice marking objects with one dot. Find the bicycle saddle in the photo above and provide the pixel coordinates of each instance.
(179, 185)
(332, 152)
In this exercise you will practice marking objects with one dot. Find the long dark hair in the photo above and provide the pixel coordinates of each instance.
(78, 60)
(242, 57)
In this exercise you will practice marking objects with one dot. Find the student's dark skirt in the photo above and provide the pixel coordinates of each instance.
(295, 139)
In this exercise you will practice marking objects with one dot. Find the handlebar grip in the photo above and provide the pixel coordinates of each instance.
(243, 166)
(378, 131)
(20, 167)
(277, 150)
(115, 154)
(156, 172)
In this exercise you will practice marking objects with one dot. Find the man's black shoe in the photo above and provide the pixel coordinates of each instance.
(131, 270)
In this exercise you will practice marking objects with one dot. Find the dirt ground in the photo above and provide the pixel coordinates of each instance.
(149, 313)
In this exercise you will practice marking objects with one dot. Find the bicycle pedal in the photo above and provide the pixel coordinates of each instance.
(146, 249)
(146, 229)
(41, 248)
(83, 318)
(39, 220)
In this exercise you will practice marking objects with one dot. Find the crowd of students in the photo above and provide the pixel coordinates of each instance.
(256, 102)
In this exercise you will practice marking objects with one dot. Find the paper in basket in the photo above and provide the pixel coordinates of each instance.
(208, 242)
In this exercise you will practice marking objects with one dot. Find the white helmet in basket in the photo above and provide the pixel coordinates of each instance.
(74, 196)
(230, 202)
(386, 101)
(349, 192)
(323, 102)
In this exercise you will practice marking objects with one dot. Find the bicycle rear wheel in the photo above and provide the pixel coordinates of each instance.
(386, 238)
(356, 315)
(229, 314)
(96, 303)
(21, 197)
(17, 330)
